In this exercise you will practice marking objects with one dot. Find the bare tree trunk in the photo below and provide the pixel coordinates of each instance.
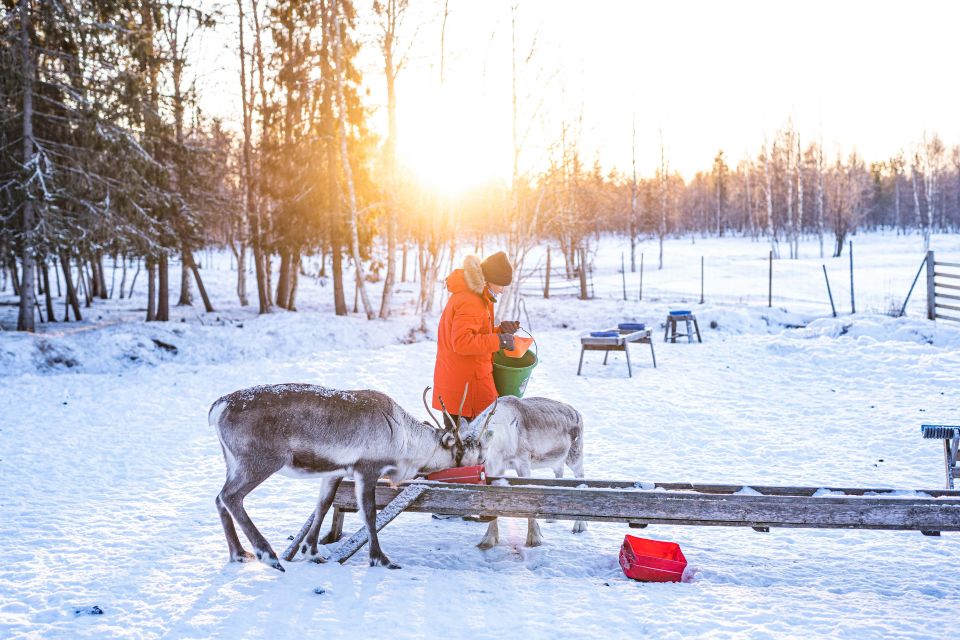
(393, 10)
(916, 205)
(240, 253)
(196, 276)
(799, 226)
(14, 275)
(283, 282)
(25, 318)
(345, 163)
(633, 202)
(252, 208)
(71, 301)
(788, 178)
(662, 230)
(163, 288)
(186, 299)
(294, 280)
(768, 189)
(151, 289)
(820, 196)
(48, 297)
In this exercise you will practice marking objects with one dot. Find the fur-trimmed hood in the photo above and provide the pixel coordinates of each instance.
(469, 278)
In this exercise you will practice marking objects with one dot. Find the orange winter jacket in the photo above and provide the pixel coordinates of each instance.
(466, 342)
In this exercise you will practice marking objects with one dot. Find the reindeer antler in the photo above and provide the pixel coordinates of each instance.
(463, 400)
(486, 423)
(429, 411)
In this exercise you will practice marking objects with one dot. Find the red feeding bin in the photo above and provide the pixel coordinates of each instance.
(476, 474)
(652, 560)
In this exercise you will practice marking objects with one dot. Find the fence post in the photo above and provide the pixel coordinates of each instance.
(623, 273)
(829, 293)
(853, 301)
(546, 282)
(701, 279)
(903, 309)
(770, 280)
(640, 299)
(931, 294)
(583, 274)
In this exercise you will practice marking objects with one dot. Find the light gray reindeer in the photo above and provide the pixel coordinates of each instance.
(529, 433)
(307, 430)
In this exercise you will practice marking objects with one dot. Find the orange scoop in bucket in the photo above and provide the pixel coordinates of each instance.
(520, 346)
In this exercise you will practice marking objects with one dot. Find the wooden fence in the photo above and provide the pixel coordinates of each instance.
(943, 289)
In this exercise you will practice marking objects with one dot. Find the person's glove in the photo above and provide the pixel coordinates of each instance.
(509, 326)
(506, 341)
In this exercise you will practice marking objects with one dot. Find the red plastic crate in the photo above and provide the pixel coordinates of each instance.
(652, 560)
(476, 474)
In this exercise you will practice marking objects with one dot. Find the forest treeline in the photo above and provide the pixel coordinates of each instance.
(106, 155)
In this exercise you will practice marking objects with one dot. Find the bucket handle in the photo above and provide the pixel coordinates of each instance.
(537, 350)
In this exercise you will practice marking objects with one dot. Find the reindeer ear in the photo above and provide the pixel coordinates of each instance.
(447, 440)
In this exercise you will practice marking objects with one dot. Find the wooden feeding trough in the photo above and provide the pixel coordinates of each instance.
(616, 339)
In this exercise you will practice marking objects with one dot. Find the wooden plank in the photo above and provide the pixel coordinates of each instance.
(947, 296)
(678, 507)
(931, 292)
(940, 274)
(603, 347)
(948, 264)
(946, 306)
(946, 286)
(943, 317)
(721, 489)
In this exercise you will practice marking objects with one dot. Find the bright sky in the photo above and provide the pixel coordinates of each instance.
(708, 74)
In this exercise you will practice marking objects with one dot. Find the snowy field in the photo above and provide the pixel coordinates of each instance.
(108, 469)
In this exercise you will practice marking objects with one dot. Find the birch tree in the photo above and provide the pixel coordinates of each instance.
(342, 117)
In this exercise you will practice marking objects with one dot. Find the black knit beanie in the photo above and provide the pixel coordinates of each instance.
(497, 269)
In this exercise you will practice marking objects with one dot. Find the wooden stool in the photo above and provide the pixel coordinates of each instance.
(670, 329)
(616, 343)
(950, 434)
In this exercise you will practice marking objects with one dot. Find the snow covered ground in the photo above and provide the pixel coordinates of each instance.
(108, 468)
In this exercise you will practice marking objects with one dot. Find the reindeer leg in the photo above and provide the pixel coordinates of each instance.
(237, 552)
(328, 490)
(576, 464)
(365, 485)
(234, 491)
(491, 537)
(534, 537)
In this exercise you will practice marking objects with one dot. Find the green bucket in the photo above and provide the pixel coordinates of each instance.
(510, 375)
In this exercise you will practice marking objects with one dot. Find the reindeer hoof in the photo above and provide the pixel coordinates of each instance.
(270, 558)
(579, 526)
(486, 545)
(243, 556)
(534, 542)
(383, 562)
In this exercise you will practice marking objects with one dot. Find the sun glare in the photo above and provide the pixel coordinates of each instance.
(451, 149)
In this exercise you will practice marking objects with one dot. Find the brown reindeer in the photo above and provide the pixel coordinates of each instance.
(307, 430)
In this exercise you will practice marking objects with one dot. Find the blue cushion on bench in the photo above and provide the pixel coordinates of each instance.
(632, 326)
(680, 313)
(604, 334)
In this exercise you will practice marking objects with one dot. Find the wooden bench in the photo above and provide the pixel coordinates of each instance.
(616, 343)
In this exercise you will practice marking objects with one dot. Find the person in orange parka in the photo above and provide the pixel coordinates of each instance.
(467, 338)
